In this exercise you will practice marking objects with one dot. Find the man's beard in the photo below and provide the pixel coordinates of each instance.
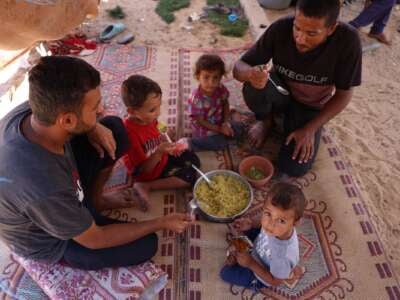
(81, 128)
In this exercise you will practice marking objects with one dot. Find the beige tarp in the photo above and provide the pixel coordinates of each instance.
(24, 22)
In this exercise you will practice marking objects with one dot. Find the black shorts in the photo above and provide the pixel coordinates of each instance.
(181, 167)
(296, 115)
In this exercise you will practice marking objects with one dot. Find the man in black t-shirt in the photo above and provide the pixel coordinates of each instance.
(318, 60)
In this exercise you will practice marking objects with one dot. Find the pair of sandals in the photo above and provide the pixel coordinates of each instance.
(114, 29)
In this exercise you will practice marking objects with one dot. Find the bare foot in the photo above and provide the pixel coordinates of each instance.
(141, 191)
(258, 133)
(120, 199)
(380, 37)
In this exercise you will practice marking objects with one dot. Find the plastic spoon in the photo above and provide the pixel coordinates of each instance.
(167, 137)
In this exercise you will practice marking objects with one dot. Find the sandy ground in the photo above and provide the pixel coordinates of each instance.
(150, 29)
(367, 131)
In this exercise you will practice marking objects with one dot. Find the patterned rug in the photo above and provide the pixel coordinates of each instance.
(339, 247)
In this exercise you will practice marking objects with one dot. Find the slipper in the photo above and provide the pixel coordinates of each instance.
(125, 39)
(219, 8)
(112, 30)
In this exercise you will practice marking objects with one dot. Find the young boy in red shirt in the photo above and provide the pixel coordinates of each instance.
(154, 162)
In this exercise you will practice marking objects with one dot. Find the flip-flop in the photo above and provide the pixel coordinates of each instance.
(112, 30)
(125, 39)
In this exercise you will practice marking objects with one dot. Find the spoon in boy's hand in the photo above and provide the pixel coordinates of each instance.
(167, 137)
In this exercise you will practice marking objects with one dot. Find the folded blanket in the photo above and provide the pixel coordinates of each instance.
(60, 281)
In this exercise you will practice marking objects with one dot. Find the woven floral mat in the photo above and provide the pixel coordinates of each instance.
(116, 63)
(339, 247)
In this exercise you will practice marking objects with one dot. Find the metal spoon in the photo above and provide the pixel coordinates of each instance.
(191, 208)
(280, 88)
(204, 176)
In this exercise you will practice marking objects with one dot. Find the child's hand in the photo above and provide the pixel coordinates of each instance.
(297, 272)
(171, 133)
(294, 276)
(242, 224)
(226, 129)
(230, 260)
(244, 259)
(181, 146)
(166, 147)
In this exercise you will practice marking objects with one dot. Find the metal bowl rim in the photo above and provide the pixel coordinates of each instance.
(230, 173)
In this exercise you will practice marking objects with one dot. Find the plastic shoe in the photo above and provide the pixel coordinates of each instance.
(112, 30)
(125, 39)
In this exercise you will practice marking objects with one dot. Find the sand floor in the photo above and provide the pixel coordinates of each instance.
(150, 29)
(368, 130)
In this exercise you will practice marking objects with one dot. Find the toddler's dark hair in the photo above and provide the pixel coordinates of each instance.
(137, 88)
(209, 62)
(287, 196)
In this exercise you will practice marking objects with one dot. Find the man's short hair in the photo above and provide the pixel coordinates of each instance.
(287, 196)
(328, 9)
(137, 88)
(58, 84)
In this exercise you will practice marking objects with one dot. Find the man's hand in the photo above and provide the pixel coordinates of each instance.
(258, 77)
(242, 224)
(102, 139)
(176, 222)
(304, 144)
(244, 259)
(226, 129)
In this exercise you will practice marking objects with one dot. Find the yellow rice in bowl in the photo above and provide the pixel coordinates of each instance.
(228, 197)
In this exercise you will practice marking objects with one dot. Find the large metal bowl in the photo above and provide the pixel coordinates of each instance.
(195, 207)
